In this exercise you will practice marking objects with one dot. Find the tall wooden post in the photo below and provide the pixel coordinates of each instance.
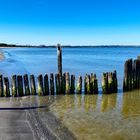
(59, 59)
(59, 62)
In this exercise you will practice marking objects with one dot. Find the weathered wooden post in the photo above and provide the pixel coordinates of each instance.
(6, 87)
(14, 86)
(110, 82)
(59, 59)
(87, 84)
(67, 83)
(46, 85)
(79, 85)
(52, 84)
(32, 83)
(1, 86)
(26, 85)
(72, 88)
(40, 85)
(20, 85)
(135, 74)
(115, 82)
(126, 80)
(105, 83)
(63, 83)
(57, 84)
(93, 84)
(138, 71)
(128, 75)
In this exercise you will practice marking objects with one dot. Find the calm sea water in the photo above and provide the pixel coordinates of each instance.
(75, 60)
(90, 117)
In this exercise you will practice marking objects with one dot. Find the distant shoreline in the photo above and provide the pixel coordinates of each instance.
(3, 45)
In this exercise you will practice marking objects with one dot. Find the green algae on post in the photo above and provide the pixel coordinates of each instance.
(93, 84)
(110, 82)
(26, 84)
(105, 83)
(67, 83)
(79, 85)
(14, 86)
(87, 84)
(40, 85)
(6, 87)
(32, 83)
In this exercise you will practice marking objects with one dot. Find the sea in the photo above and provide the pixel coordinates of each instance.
(88, 117)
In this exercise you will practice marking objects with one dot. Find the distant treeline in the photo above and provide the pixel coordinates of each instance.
(64, 46)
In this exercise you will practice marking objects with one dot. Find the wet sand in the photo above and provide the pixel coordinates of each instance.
(20, 119)
(13, 123)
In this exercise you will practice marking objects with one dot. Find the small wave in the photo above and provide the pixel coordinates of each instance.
(11, 63)
(7, 54)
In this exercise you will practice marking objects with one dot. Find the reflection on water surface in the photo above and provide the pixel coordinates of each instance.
(98, 117)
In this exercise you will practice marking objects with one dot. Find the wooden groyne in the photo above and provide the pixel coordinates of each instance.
(56, 84)
(131, 74)
(18, 85)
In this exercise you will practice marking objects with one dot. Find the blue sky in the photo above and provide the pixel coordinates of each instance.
(70, 22)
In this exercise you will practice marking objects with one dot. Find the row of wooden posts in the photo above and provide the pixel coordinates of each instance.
(25, 85)
(131, 74)
(64, 83)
